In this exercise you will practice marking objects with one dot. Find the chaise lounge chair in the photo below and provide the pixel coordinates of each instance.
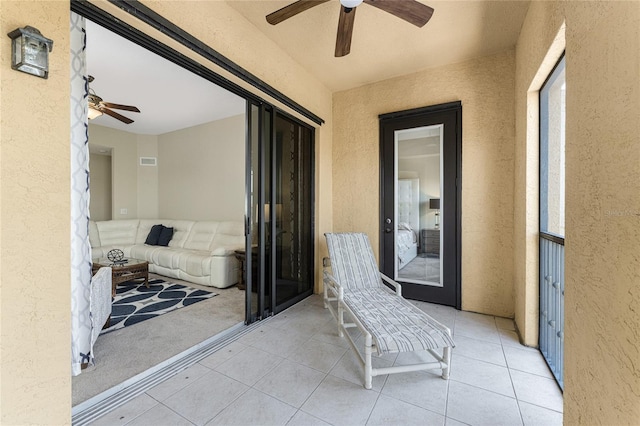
(389, 322)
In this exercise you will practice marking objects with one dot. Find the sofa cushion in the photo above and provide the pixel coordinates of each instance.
(201, 235)
(228, 235)
(165, 236)
(154, 235)
(117, 232)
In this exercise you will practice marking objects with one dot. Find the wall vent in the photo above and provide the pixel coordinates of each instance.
(148, 161)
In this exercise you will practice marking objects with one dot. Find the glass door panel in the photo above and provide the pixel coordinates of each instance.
(418, 197)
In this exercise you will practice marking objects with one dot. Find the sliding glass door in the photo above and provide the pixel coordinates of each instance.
(279, 212)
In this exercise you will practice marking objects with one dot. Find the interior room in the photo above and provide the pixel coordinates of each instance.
(180, 159)
(488, 60)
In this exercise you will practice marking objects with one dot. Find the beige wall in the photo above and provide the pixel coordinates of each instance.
(147, 194)
(602, 321)
(486, 88)
(35, 374)
(202, 171)
(100, 187)
(35, 325)
(124, 163)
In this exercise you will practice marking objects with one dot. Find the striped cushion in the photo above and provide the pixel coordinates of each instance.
(395, 324)
(352, 261)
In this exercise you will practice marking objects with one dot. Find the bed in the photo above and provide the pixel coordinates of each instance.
(408, 206)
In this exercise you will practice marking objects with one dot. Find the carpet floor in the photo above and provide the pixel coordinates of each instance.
(123, 353)
(422, 268)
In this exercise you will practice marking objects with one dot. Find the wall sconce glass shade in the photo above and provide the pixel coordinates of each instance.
(93, 113)
(30, 51)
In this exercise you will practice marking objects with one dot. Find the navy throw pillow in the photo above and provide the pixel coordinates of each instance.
(165, 236)
(154, 234)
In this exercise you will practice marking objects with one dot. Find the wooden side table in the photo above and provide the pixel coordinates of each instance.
(241, 256)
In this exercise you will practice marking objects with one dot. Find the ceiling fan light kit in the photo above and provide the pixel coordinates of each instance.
(411, 11)
(97, 107)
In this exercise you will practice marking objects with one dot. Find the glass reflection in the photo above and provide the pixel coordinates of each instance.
(418, 201)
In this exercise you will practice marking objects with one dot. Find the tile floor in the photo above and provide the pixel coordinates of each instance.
(295, 370)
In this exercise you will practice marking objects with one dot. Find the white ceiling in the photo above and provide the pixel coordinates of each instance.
(383, 46)
(168, 96)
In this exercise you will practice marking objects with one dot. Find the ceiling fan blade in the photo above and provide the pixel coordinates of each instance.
(411, 11)
(292, 10)
(345, 31)
(123, 107)
(116, 115)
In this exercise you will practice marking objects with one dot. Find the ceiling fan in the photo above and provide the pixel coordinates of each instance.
(97, 107)
(411, 11)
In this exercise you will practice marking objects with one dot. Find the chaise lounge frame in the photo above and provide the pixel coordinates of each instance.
(354, 284)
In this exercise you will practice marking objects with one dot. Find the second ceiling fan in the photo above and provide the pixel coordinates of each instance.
(411, 11)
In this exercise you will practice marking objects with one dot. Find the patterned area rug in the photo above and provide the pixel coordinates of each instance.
(135, 303)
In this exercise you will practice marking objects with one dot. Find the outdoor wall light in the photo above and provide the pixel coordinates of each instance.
(30, 51)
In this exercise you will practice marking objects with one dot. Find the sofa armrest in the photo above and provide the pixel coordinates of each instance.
(224, 251)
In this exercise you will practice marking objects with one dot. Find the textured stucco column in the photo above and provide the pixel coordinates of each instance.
(35, 323)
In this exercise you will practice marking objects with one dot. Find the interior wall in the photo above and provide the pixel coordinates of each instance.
(35, 301)
(486, 88)
(148, 192)
(602, 271)
(124, 162)
(202, 175)
(427, 169)
(100, 187)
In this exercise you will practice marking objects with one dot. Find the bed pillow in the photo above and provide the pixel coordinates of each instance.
(165, 236)
(154, 234)
(405, 225)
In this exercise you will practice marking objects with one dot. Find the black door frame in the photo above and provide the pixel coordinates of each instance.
(450, 294)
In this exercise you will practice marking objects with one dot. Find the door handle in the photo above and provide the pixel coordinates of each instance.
(388, 230)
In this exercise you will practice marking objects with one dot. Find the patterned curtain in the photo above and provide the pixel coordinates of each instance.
(81, 350)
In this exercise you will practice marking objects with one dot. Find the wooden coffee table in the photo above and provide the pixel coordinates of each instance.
(122, 272)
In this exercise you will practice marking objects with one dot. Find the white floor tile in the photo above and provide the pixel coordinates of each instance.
(349, 368)
(160, 415)
(303, 419)
(451, 422)
(390, 411)
(127, 412)
(527, 360)
(538, 416)
(537, 390)
(255, 408)
(482, 374)
(479, 330)
(319, 355)
(340, 402)
(476, 406)
(220, 356)
(206, 397)
(249, 365)
(479, 349)
(290, 382)
(424, 389)
(280, 342)
(180, 381)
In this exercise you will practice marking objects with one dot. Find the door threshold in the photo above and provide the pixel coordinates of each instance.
(95, 407)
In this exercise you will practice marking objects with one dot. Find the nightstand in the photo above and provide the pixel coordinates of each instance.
(430, 242)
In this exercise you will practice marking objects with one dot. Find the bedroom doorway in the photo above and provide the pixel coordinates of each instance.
(420, 202)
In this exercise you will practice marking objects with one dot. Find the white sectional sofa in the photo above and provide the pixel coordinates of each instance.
(200, 252)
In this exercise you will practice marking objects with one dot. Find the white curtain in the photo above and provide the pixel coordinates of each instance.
(81, 347)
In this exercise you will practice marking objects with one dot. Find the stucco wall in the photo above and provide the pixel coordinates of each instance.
(602, 320)
(35, 325)
(35, 374)
(486, 88)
